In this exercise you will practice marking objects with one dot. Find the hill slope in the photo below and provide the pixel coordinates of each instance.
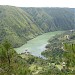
(50, 19)
(16, 25)
(21, 24)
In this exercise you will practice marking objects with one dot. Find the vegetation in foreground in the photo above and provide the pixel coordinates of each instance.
(10, 62)
(25, 64)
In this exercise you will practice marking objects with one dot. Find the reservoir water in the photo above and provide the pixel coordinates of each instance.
(37, 45)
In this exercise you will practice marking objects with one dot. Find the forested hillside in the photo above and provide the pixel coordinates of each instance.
(50, 19)
(23, 24)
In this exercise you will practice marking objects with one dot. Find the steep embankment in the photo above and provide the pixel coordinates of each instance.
(16, 25)
(21, 24)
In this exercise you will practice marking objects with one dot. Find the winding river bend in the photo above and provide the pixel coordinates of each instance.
(37, 45)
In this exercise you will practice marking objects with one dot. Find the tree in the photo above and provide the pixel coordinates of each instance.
(69, 54)
(6, 55)
(11, 63)
(3, 55)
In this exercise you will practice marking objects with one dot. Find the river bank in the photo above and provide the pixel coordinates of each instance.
(37, 45)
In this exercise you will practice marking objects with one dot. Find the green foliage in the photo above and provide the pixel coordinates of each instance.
(60, 49)
(10, 62)
(2, 54)
(69, 54)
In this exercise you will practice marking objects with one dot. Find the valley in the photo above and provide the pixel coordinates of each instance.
(22, 24)
(37, 41)
(37, 45)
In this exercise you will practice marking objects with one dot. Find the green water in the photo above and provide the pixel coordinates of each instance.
(37, 45)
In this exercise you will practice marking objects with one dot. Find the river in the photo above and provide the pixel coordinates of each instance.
(37, 45)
